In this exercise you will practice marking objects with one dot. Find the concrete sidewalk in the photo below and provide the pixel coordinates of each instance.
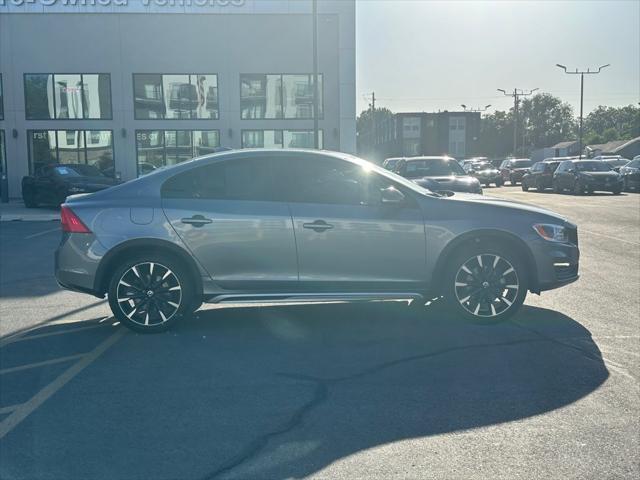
(16, 211)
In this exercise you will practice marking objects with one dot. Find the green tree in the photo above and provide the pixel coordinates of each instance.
(547, 120)
(625, 121)
(496, 134)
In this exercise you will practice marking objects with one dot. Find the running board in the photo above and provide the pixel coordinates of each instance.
(311, 297)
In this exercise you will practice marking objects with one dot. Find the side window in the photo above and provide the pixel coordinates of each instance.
(329, 181)
(242, 179)
(562, 167)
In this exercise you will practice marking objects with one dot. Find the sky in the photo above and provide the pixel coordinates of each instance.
(423, 55)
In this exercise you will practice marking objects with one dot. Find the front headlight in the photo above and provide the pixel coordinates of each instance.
(552, 233)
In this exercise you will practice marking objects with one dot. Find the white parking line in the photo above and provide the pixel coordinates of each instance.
(609, 237)
(25, 409)
(44, 363)
(42, 233)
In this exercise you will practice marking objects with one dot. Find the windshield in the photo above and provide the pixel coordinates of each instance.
(432, 168)
(592, 167)
(483, 166)
(521, 163)
(78, 171)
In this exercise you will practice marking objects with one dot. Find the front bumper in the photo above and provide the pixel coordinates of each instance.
(557, 263)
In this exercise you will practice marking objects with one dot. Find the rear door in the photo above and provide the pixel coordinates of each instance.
(227, 216)
(346, 238)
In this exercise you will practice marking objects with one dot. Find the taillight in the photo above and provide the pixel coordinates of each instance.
(70, 221)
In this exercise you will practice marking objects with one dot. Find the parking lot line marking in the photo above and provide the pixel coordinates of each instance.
(34, 235)
(8, 409)
(610, 237)
(24, 410)
(44, 363)
(49, 334)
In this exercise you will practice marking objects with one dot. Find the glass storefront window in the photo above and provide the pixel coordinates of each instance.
(92, 147)
(1, 101)
(159, 148)
(183, 96)
(67, 96)
(279, 139)
(278, 96)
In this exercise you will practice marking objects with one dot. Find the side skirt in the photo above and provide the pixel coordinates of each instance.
(312, 297)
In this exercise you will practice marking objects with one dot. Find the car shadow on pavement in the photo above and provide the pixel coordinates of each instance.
(283, 392)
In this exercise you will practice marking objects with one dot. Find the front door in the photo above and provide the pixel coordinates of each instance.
(226, 215)
(346, 238)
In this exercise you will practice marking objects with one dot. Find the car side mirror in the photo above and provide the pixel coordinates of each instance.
(391, 196)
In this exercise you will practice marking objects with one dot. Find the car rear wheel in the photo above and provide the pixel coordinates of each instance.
(485, 285)
(150, 293)
(525, 188)
(29, 198)
(512, 181)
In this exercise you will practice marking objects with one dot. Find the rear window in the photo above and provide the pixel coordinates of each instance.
(521, 163)
(592, 167)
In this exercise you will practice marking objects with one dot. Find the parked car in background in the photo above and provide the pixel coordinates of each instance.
(540, 175)
(614, 161)
(580, 176)
(630, 174)
(513, 169)
(445, 171)
(301, 225)
(485, 172)
(390, 163)
(51, 184)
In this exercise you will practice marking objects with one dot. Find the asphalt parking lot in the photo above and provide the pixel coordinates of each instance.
(328, 391)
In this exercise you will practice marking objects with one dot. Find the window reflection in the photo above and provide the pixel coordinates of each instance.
(278, 96)
(184, 96)
(67, 96)
(92, 147)
(159, 148)
(280, 139)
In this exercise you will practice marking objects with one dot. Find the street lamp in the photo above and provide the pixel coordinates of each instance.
(471, 109)
(582, 73)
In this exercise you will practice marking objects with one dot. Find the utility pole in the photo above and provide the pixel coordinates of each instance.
(582, 73)
(517, 93)
(373, 118)
(316, 130)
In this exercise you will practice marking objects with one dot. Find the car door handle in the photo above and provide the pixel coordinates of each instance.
(196, 221)
(318, 226)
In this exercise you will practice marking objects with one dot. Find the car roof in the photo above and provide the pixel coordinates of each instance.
(434, 157)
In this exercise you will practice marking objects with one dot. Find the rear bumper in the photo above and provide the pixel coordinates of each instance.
(76, 261)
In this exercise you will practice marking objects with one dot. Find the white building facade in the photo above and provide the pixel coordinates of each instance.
(132, 85)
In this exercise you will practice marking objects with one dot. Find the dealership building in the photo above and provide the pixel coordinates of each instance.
(132, 85)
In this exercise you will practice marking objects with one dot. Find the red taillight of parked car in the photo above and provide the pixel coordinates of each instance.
(70, 221)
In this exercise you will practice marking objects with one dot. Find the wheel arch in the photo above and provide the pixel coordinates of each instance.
(492, 237)
(132, 247)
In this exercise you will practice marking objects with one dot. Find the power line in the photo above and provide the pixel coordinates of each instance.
(517, 93)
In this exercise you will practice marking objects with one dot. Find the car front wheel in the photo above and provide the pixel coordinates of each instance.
(485, 285)
(150, 293)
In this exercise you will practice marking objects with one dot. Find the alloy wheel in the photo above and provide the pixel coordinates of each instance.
(486, 285)
(149, 294)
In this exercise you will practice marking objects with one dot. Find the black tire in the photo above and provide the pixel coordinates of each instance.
(499, 183)
(556, 188)
(524, 186)
(29, 198)
(578, 189)
(171, 296)
(501, 275)
(512, 181)
(617, 191)
(539, 187)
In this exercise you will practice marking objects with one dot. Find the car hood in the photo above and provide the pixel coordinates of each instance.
(487, 171)
(84, 181)
(502, 203)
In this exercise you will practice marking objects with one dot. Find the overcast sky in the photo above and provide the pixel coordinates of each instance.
(420, 55)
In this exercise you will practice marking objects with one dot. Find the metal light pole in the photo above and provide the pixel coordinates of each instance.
(316, 131)
(582, 73)
(517, 93)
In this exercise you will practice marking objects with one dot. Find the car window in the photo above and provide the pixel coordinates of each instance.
(432, 168)
(329, 181)
(239, 179)
(520, 163)
(596, 166)
(562, 167)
